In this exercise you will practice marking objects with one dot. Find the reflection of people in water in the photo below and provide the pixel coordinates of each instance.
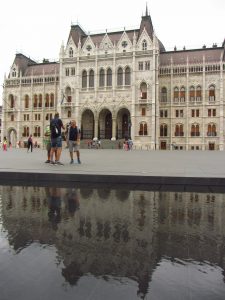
(54, 203)
(73, 200)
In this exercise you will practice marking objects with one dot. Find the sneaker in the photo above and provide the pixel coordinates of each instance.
(52, 163)
(78, 161)
(71, 162)
(47, 161)
(58, 163)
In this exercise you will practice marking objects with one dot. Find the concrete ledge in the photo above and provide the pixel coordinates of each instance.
(149, 170)
(130, 182)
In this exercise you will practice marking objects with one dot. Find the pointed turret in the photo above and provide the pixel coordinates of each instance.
(77, 33)
(61, 50)
(22, 62)
(146, 22)
(223, 45)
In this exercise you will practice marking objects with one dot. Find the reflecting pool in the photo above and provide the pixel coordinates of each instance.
(111, 243)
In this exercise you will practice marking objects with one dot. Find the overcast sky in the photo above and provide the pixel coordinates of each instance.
(37, 28)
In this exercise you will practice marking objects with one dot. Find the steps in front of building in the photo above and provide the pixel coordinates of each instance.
(105, 144)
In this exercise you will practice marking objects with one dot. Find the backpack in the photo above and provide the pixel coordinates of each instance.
(54, 129)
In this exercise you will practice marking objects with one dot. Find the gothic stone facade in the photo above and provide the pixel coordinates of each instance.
(118, 85)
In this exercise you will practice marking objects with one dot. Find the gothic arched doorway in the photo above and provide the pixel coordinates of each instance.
(123, 124)
(87, 125)
(12, 137)
(105, 124)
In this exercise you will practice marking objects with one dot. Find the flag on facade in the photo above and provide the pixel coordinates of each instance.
(63, 97)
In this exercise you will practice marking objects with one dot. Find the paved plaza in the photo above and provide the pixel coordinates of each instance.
(117, 166)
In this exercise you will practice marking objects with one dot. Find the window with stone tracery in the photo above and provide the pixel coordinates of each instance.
(120, 77)
(212, 96)
(102, 78)
(144, 45)
(91, 79)
(195, 130)
(84, 79)
(71, 52)
(143, 128)
(163, 130)
(179, 130)
(211, 130)
(109, 77)
(127, 76)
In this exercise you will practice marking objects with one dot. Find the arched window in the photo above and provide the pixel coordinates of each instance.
(176, 94)
(46, 100)
(109, 77)
(71, 52)
(195, 130)
(40, 100)
(52, 100)
(212, 96)
(179, 131)
(35, 101)
(144, 45)
(127, 76)
(163, 130)
(143, 128)
(102, 78)
(120, 77)
(26, 131)
(143, 90)
(26, 101)
(211, 130)
(199, 93)
(91, 79)
(69, 114)
(37, 131)
(182, 94)
(164, 95)
(192, 93)
(68, 95)
(84, 79)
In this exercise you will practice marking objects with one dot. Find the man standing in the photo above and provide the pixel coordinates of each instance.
(30, 143)
(74, 141)
(56, 139)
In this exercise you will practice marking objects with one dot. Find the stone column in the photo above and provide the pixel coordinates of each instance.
(113, 128)
(96, 127)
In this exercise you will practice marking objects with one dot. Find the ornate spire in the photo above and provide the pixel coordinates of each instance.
(146, 11)
(146, 23)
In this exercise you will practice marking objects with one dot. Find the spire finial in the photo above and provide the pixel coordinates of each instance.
(146, 12)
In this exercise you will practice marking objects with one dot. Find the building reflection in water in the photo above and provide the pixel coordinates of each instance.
(117, 233)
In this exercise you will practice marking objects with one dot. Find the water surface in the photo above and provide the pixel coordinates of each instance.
(102, 243)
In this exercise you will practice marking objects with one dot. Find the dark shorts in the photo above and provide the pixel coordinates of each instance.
(56, 142)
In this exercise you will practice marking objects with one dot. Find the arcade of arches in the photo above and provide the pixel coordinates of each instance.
(105, 125)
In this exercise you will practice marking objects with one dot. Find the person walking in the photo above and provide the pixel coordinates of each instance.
(5, 142)
(74, 141)
(47, 142)
(56, 126)
(30, 144)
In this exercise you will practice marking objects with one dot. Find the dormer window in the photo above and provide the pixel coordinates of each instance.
(144, 45)
(14, 72)
(124, 44)
(88, 47)
(71, 52)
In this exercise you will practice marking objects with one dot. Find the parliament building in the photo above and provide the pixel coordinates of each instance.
(118, 85)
